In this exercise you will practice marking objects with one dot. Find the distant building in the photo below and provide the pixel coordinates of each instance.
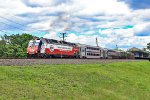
(138, 53)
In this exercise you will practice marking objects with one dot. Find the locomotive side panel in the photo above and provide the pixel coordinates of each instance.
(60, 50)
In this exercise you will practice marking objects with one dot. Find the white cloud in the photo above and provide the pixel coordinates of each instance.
(91, 7)
(51, 35)
(41, 2)
(141, 27)
(118, 33)
(81, 39)
(135, 41)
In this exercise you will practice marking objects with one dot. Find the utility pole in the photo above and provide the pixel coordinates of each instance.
(96, 42)
(116, 47)
(63, 36)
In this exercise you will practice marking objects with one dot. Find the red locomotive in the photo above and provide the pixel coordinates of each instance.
(47, 48)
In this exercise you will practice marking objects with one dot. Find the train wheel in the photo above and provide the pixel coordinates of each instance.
(48, 56)
(29, 56)
(77, 57)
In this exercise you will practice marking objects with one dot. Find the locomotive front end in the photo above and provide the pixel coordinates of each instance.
(33, 48)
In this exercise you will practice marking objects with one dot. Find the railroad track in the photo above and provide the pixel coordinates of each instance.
(30, 62)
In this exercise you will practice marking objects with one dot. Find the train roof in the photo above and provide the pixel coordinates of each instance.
(68, 43)
(88, 45)
(59, 42)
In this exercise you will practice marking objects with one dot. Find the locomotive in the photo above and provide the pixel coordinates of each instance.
(50, 48)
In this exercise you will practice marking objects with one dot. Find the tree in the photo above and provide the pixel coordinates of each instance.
(144, 49)
(2, 47)
(148, 46)
(14, 45)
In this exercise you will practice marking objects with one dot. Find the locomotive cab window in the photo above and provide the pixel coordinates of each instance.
(30, 44)
(34, 43)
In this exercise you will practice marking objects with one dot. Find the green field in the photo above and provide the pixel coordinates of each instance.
(113, 81)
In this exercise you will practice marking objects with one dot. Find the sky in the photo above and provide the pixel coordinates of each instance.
(125, 23)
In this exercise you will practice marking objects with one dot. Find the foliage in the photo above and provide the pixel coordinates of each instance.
(148, 46)
(14, 45)
(114, 81)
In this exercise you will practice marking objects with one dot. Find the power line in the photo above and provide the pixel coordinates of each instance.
(12, 26)
(17, 27)
(10, 33)
(11, 20)
(12, 16)
(5, 32)
(19, 24)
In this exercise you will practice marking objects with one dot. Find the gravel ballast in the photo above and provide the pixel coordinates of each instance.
(28, 62)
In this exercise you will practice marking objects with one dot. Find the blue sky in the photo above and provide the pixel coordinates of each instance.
(122, 22)
(138, 4)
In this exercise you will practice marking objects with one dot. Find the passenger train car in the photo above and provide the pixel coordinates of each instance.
(87, 51)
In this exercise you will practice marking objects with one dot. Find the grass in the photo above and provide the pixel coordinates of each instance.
(114, 81)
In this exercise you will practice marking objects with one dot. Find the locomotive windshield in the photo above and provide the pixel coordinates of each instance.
(33, 43)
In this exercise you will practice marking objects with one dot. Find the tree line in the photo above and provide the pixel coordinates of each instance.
(14, 46)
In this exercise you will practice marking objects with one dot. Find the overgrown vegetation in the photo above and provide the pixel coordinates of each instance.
(14, 45)
(115, 81)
